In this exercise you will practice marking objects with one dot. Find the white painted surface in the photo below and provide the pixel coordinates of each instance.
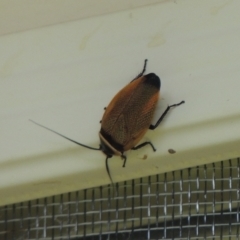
(62, 76)
(22, 15)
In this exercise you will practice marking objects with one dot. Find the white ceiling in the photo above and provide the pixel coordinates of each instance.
(21, 15)
(63, 75)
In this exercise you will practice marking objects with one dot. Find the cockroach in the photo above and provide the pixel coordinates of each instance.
(127, 117)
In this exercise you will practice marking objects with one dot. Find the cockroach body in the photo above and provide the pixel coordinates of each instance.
(127, 117)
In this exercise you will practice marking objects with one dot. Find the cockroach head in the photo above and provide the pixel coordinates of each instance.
(106, 149)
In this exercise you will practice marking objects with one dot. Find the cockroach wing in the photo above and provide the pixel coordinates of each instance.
(129, 114)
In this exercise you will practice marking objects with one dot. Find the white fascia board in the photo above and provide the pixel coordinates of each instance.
(63, 76)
